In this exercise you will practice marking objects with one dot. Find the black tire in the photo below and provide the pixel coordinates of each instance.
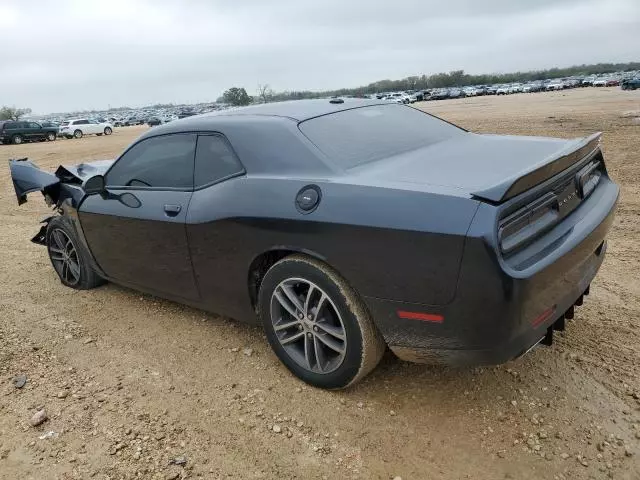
(17, 139)
(51, 137)
(108, 131)
(363, 345)
(59, 232)
(77, 134)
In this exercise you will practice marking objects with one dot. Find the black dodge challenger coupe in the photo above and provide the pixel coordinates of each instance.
(343, 226)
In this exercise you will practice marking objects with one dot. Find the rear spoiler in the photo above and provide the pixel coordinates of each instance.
(550, 166)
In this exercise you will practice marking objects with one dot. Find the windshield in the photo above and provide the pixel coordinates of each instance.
(361, 135)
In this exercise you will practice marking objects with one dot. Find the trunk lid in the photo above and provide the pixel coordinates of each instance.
(493, 168)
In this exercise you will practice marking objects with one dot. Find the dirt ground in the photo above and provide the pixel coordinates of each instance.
(133, 384)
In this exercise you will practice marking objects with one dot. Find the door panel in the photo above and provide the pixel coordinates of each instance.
(139, 237)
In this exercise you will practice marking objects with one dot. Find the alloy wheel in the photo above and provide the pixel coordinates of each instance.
(64, 256)
(308, 325)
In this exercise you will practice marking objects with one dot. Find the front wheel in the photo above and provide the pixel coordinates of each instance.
(77, 134)
(69, 257)
(51, 136)
(108, 131)
(316, 323)
(17, 139)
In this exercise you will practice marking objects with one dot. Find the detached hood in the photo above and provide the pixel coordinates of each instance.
(490, 167)
(27, 177)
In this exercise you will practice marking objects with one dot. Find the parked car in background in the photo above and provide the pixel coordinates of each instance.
(630, 84)
(470, 92)
(515, 88)
(503, 90)
(154, 121)
(555, 85)
(612, 82)
(439, 94)
(79, 127)
(199, 212)
(21, 131)
(599, 82)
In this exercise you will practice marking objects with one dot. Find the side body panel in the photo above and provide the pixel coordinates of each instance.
(386, 243)
(135, 242)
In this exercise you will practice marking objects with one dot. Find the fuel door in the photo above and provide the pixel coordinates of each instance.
(308, 199)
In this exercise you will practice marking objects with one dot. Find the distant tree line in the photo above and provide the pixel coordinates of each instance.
(457, 78)
(13, 113)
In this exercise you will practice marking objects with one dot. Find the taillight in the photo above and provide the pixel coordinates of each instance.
(588, 179)
(524, 225)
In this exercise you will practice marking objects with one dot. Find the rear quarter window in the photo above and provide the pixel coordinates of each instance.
(215, 160)
(355, 137)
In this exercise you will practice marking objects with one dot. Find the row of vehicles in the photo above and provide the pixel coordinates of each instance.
(21, 131)
(628, 81)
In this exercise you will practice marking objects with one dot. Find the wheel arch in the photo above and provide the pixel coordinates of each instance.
(264, 261)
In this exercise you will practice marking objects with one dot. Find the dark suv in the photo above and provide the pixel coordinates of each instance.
(25, 131)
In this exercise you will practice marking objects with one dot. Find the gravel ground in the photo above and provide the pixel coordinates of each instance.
(137, 387)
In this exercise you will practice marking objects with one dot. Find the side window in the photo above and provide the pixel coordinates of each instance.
(214, 160)
(164, 161)
(34, 125)
(10, 126)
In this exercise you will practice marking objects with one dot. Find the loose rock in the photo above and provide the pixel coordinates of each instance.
(39, 418)
(277, 429)
(180, 461)
(19, 381)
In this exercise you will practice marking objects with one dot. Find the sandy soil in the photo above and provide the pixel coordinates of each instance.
(131, 383)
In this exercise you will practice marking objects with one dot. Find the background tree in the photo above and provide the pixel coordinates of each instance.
(13, 113)
(265, 93)
(236, 96)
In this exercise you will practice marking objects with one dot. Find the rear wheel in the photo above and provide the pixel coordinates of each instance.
(77, 134)
(17, 139)
(316, 323)
(69, 257)
(51, 136)
(108, 131)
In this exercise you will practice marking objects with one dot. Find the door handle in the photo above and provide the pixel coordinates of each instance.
(172, 210)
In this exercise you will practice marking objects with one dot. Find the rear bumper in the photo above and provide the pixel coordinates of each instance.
(500, 313)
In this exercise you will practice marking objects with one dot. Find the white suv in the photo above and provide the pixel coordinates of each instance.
(77, 128)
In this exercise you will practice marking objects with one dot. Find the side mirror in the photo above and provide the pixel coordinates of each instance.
(94, 185)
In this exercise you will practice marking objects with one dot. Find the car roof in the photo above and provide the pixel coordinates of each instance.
(298, 110)
(290, 111)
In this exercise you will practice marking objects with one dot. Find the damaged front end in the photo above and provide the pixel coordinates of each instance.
(62, 190)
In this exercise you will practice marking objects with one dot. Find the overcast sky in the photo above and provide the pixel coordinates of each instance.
(61, 55)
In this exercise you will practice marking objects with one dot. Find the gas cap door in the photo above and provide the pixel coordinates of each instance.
(308, 198)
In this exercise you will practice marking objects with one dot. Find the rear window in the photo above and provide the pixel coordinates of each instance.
(361, 135)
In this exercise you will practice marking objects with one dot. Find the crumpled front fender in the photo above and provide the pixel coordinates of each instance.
(27, 178)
